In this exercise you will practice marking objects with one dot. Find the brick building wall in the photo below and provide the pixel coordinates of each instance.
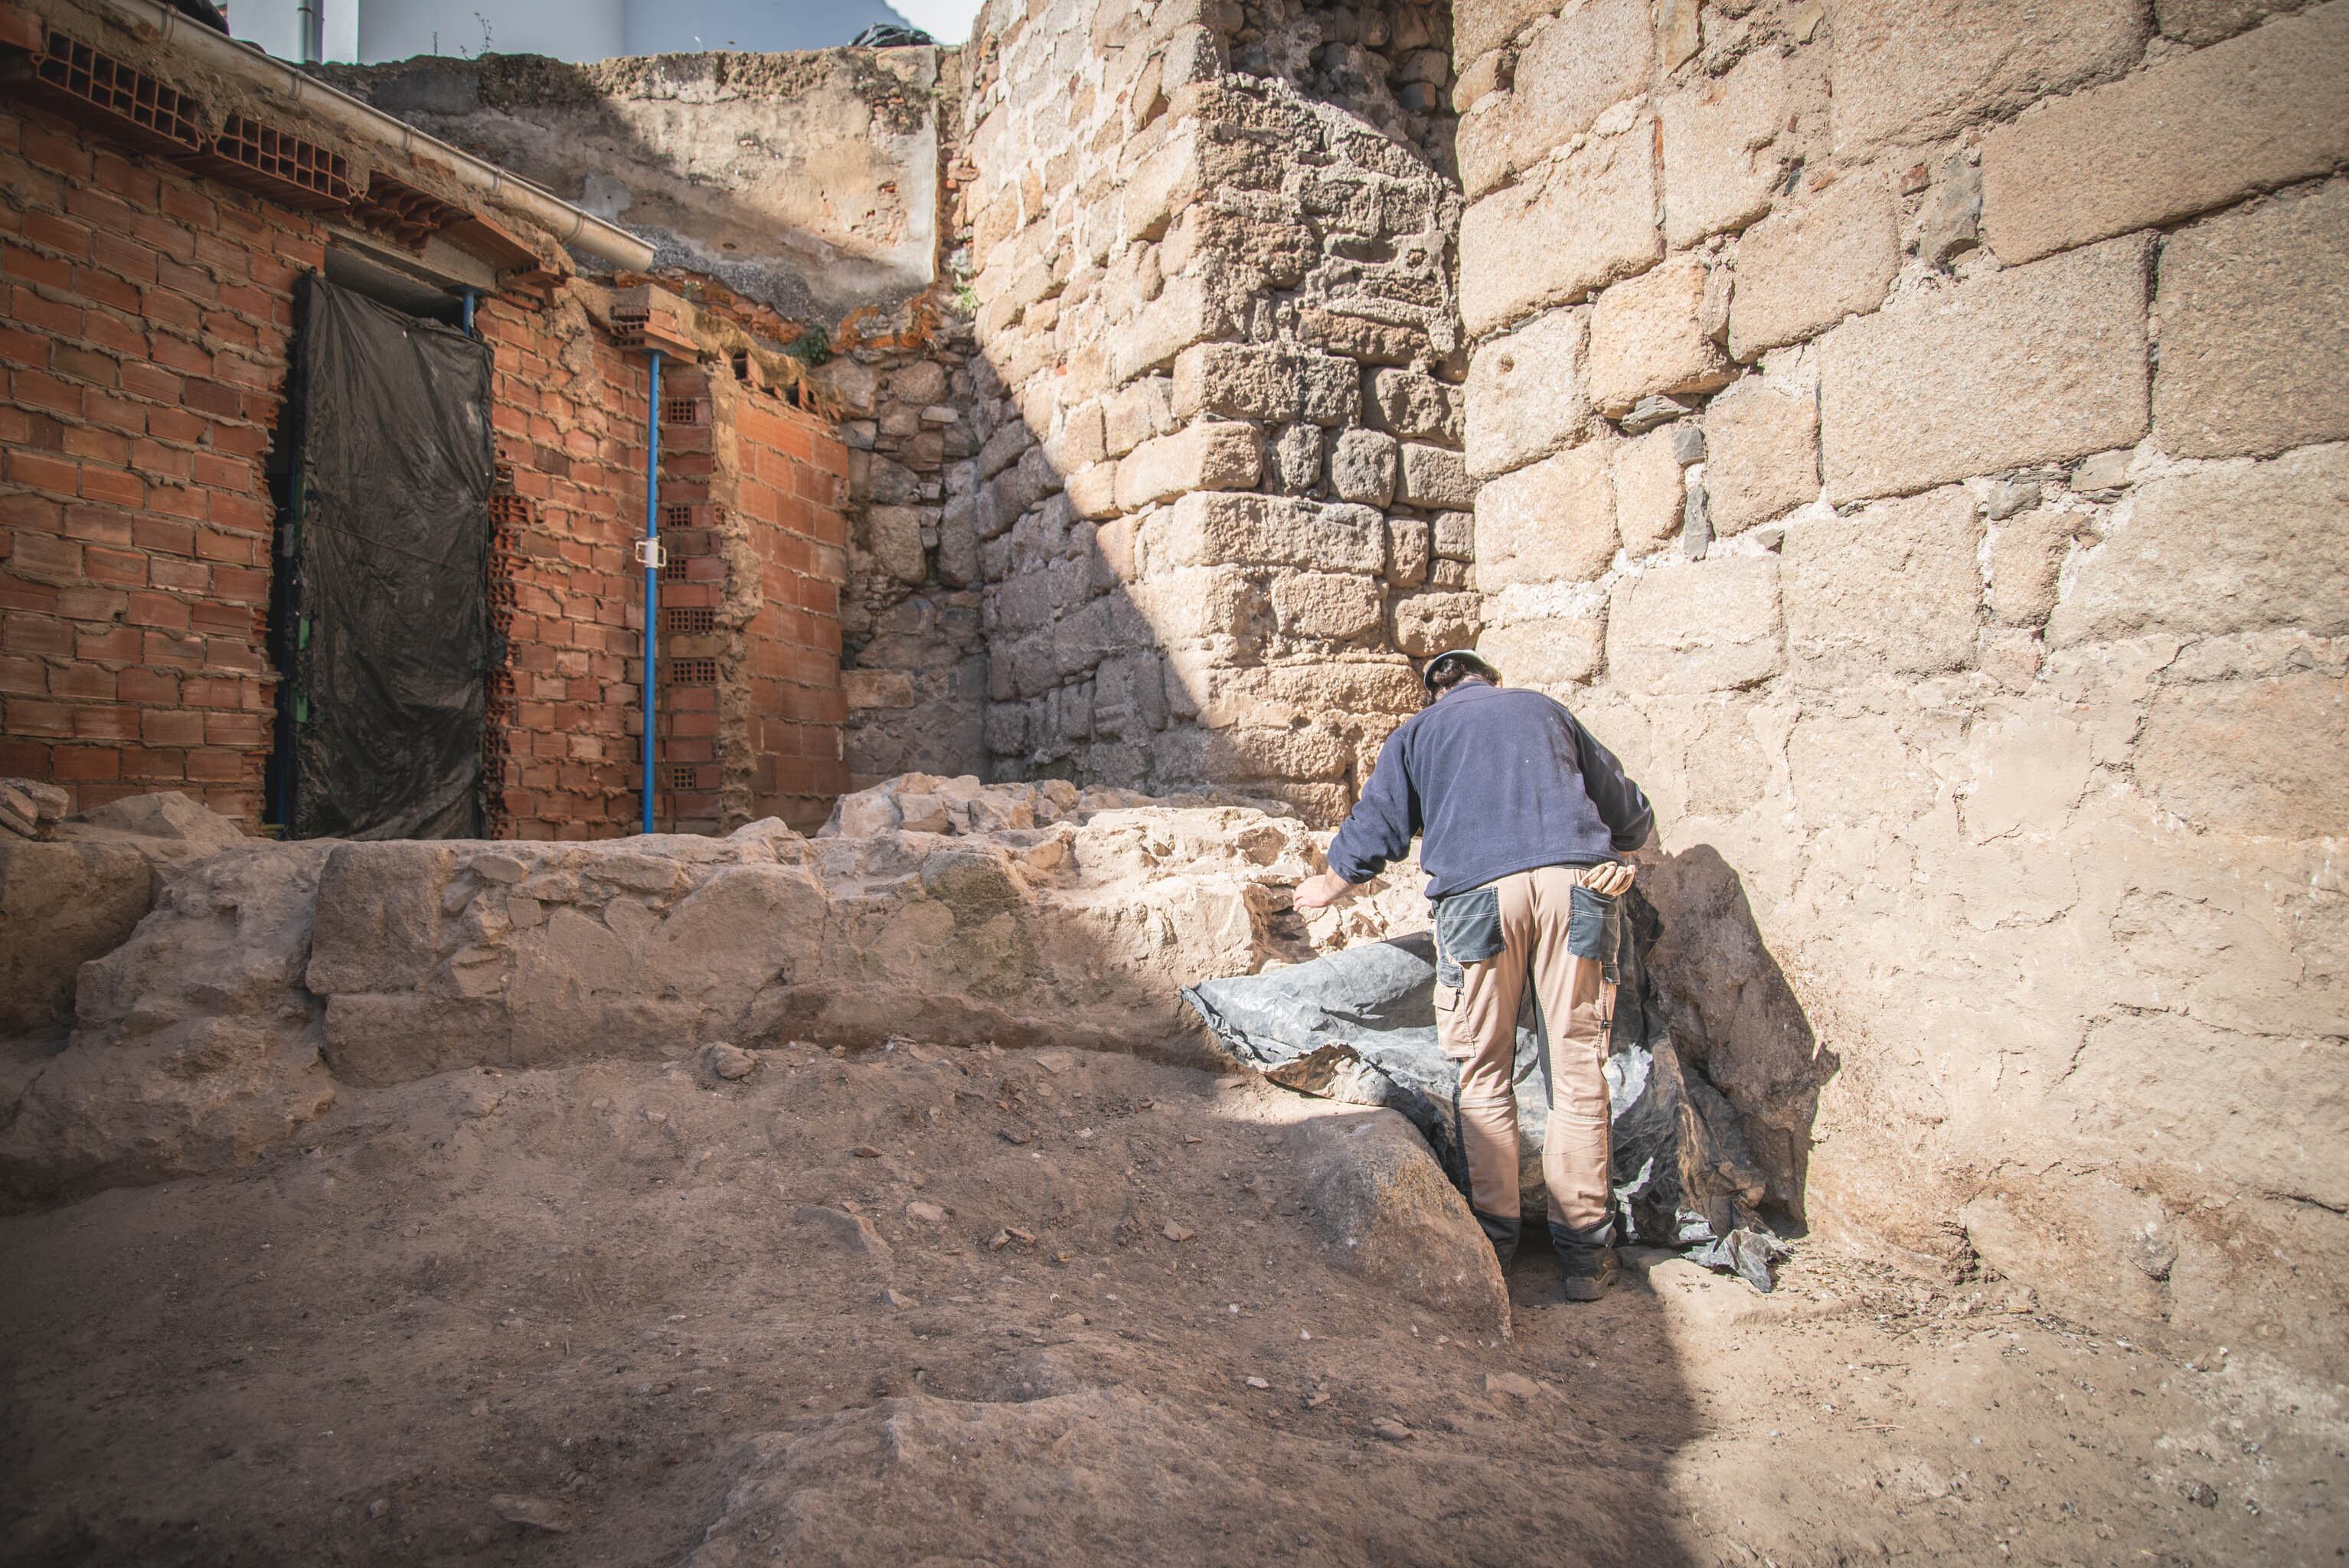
(568, 416)
(149, 312)
(146, 351)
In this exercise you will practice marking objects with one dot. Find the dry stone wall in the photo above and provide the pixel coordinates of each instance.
(1220, 495)
(1912, 435)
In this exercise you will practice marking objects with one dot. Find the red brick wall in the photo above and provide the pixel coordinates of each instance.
(144, 344)
(790, 488)
(568, 411)
(145, 348)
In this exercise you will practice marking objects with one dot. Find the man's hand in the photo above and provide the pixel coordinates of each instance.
(1609, 877)
(1322, 890)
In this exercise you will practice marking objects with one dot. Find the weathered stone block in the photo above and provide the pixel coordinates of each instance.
(866, 689)
(1132, 414)
(892, 534)
(1208, 529)
(1527, 394)
(1216, 456)
(1647, 336)
(1700, 625)
(1186, 313)
(2237, 549)
(1434, 478)
(2029, 365)
(1454, 536)
(2253, 756)
(1897, 588)
(1806, 267)
(1483, 24)
(1573, 225)
(1416, 406)
(1362, 467)
(1551, 523)
(2200, 22)
(1915, 70)
(1570, 73)
(2027, 558)
(1721, 153)
(1760, 454)
(2254, 311)
(1426, 624)
(1548, 654)
(1246, 381)
(1649, 488)
(1326, 606)
(1407, 541)
(2191, 133)
(1092, 490)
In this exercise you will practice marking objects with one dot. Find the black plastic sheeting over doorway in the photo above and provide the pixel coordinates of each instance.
(388, 634)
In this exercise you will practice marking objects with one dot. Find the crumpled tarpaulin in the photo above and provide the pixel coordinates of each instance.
(1359, 1025)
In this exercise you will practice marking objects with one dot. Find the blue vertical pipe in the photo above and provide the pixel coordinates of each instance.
(652, 572)
(468, 313)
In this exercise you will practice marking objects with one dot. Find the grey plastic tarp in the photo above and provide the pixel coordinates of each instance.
(1358, 1025)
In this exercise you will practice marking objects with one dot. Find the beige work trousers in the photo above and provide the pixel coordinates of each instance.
(1476, 1024)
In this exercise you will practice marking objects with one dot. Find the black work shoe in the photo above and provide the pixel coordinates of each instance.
(1587, 1272)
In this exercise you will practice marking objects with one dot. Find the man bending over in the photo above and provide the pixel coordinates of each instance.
(1525, 817)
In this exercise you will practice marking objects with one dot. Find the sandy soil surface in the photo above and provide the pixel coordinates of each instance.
(921, 1305)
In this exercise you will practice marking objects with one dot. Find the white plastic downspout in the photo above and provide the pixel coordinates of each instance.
(581, 231)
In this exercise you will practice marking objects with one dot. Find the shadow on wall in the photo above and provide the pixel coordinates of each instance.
(1734, 1016)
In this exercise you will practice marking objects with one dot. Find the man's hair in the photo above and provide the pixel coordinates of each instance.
(1447, 670)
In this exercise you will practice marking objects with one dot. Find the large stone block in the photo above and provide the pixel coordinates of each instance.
(2254, 311)
(1214, 530)
(1722, 159)
(2242, 547)
(1362, 467)
(1426, 624)
(1527, 394)
(1807, 267)
(1218, 455)
(2190, 134)
(1416, 406)
(2029, 365)
(1895, 589)
(1648, 335)
(1696, 626)
(60, 906)
(2251, 756)
(1572, 71)
(1185, 313)
(1246, 381)
(1551, 523)
(1548, 654)
(1651, 490)
(1434, 479)
(1916, 70)
(1760, 454)
(1326, 606)
(1574, 224)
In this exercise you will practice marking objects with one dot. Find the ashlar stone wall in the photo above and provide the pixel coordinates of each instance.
(1221, 495)
(1911, 432)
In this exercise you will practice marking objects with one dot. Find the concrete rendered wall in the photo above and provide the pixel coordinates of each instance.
(1974, 615)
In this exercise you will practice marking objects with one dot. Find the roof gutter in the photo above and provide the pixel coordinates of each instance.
(579, 230)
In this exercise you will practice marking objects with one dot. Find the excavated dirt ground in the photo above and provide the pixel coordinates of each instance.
(593, 1296)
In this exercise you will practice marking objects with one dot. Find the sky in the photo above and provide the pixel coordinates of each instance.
(370, 31)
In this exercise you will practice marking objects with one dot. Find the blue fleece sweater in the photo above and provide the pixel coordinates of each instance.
(1498, 780)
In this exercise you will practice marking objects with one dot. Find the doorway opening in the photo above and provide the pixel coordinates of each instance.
(379, 614)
